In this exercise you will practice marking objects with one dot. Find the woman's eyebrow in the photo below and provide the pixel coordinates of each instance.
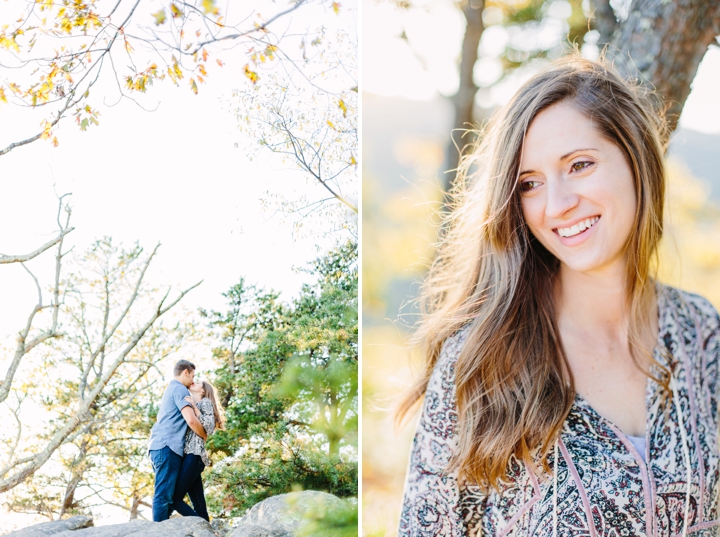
(566, 155)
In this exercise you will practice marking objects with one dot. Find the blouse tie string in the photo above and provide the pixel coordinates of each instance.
(686, 451)
(555, 487)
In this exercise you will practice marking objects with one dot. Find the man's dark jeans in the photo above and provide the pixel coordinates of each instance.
(190, 482)
(166, 465)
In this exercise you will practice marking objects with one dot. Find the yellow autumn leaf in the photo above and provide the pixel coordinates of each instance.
(46, 130)
(176, 11)
(193, 86)
(3, 97)
(209, 7)
(336, 7)
(343, 107)
(252, 75)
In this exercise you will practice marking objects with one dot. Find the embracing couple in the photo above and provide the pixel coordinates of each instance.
(189, 413)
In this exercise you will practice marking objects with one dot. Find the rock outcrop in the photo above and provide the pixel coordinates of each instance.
(282, 515)
(278, 516)
(82, 527)
(55, 527)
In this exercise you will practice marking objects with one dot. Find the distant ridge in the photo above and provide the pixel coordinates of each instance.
(699, 152)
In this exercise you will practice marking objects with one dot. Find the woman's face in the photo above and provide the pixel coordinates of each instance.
(577, 191)
(197, 387)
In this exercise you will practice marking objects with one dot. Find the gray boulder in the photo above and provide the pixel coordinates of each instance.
(282, 515)
(114, 530)
(54, 527)
(175, 527)
(222, 526)
(252, 530)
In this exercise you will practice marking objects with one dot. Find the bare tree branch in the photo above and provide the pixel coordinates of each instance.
(22, 258)
(25, 345)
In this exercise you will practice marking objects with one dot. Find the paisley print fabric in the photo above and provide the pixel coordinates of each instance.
(600, 484)
(195, 444)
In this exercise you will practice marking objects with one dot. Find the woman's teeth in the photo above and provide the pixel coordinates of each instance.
(577, 228)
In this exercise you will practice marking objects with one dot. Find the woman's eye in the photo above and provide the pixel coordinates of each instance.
(580, 166)
(527, 186)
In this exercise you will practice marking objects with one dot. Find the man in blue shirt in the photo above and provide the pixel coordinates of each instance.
(167, 438)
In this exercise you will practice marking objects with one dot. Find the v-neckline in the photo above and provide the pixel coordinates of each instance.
(650, 384)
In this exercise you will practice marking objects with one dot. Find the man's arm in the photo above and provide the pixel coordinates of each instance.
(193, 422)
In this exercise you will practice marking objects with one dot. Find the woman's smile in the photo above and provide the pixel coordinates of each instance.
(578, 228)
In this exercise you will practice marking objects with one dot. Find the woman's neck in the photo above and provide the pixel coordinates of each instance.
(593, 302)
(197, 397)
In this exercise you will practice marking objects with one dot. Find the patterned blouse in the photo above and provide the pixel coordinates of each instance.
(195, 444)
(600, 486)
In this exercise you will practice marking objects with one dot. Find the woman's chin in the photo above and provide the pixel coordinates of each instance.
(589, 265)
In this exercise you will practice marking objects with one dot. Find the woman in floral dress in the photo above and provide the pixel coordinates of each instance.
(566, 391)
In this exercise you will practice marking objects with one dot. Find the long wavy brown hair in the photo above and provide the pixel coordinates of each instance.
(217, 409)
(513, 384)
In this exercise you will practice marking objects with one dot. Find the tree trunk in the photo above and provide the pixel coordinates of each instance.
(78, 469)
(662, 42)
(134, 508)
(464, 99)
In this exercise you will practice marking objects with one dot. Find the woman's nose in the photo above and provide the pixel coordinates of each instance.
(561, 198)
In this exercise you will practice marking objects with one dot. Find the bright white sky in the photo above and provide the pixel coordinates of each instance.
(424, 65)
(173, 176)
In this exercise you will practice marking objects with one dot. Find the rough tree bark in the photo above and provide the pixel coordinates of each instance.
(464, 99)
(662, 43)
(77, 474)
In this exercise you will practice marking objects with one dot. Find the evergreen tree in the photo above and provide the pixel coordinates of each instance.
(289, 378)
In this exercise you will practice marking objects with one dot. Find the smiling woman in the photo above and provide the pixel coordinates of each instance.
(566, 391)
(565, 191)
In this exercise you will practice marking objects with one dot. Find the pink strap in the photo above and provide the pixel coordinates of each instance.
(581, 488)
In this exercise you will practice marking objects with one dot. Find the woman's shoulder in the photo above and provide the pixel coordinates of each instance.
(697, 308)
(452, 346)
(443, 374)
(205, 404)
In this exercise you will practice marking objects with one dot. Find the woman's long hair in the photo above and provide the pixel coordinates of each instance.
(513, 384)
(217, 409)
